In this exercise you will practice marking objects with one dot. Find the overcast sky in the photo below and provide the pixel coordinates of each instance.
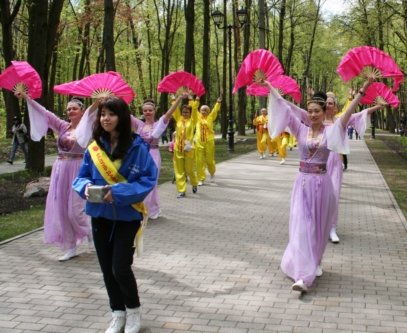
(334, 7)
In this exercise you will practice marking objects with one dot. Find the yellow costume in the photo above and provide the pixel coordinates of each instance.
(262, 135)
(282, 142)
(292, 142)
(184, 150)
(205, 143)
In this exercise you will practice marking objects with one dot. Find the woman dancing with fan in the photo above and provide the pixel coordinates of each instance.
(65, 223)
(313, 201)
(184, 149)
(151, 131)
(205, 141)
(116, 175)
(334, 164)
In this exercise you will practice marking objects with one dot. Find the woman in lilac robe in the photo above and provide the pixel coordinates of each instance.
(334, 165)
(150, 131)
(65, 222)
(313, 201)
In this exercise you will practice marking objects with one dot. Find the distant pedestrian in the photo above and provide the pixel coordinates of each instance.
(350, 132)
(19, 139)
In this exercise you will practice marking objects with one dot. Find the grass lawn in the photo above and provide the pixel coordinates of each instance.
(390, 154)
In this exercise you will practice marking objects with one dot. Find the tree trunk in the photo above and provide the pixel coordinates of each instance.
(206, 52)
(189, 56)
(36, 56)
(262, 36)
(108, 36)
(281, 31)
(7, 18)
(225, 107)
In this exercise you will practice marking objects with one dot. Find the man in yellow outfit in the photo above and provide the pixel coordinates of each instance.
(261, 132)
(282, 142)
(184, 150)
(262, 135)
(205, 141)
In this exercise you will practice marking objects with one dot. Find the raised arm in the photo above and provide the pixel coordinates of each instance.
(171, 110)
(355, 102)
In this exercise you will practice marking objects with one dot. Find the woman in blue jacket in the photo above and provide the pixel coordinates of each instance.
(116, 175)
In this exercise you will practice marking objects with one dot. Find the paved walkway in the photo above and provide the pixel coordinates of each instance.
(211, 263)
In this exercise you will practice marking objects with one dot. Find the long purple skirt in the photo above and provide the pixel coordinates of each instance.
(313, 204)
(334, 169)
(65, 221)
(152, 201)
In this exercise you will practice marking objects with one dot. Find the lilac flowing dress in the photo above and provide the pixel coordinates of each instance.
(65, 222)
(313, 201)
(151, 135)
(334, 165)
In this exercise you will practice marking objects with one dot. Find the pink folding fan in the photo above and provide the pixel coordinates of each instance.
(179, 81)
(21, 77)
(283, 83)
(369, 61)
(379, 93)
(257, 66)
(98, 86)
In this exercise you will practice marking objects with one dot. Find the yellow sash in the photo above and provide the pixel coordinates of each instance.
(110, 173)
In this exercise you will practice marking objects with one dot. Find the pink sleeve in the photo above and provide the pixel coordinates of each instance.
(136, 124)
(359, 121)
(159, 127)
(281, 116)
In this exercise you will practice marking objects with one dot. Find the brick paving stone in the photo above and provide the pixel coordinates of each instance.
(211, 262)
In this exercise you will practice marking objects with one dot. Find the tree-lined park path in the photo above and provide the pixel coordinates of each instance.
(211, 262)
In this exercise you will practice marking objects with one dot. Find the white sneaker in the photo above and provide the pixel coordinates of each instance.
(68, 255)
(118, 322)
(299, 286)
(333, 236)
(282, 161)
(155, 216)
(319, 271)
(200, 183)
(261, 157)
(133, 321)
(212, 178)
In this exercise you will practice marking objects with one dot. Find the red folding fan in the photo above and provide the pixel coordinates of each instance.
(98, 86)
(379, 93)
(21, 77)
(283, 83)
(259, 65)
(181, 81)
(369, 61)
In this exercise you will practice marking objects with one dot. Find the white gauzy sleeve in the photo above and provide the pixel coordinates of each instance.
(83, 131)
(38, 120)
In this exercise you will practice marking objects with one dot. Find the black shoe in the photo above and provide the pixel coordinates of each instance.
(181, 195)
(9, 161)
(194, 189)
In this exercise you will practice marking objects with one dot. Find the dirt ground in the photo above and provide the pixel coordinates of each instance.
(12, 186)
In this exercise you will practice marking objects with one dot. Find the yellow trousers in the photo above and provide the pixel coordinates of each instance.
(292, 141)
(184, 166)
(205, 158)
(272, 145)
(261, 142)
(282, 142)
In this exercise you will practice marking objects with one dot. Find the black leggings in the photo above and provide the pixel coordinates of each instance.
(114, 247)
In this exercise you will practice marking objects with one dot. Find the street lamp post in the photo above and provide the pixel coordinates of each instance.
(218, 18)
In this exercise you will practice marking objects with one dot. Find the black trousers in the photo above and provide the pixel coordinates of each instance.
(114, 247)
